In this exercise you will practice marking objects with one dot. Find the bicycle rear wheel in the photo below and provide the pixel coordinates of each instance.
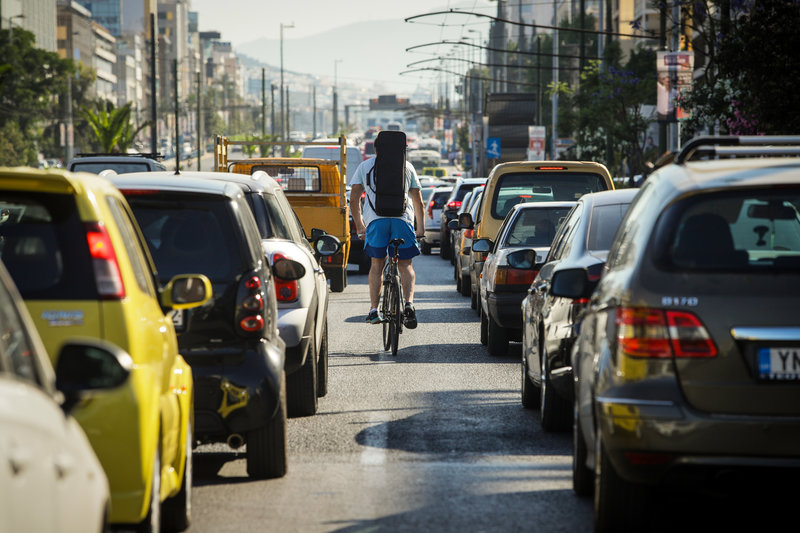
(386, 313)
(397, 316)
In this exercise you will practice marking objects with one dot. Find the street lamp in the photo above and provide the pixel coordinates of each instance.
(11, 26)
(283, 110)
(335, 96)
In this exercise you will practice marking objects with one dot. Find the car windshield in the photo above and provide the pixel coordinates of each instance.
(189, 233)
(523, 187)
(43, 245)
(603, 225)
(535, 227)
(97, 167)
(751, 231)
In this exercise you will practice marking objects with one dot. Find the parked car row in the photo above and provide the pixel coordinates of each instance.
(659, 325)
(177, 310)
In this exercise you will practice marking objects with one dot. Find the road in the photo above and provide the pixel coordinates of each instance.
(435, 439)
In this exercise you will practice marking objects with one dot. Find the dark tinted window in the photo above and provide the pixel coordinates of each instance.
(535, 227)
(463, 190)
(604, 224)
(14, 343)
(118, 167)
(522, 187)
(189, 234)
(276, 221)
(439, 198)
(746, 230)
(43, 245)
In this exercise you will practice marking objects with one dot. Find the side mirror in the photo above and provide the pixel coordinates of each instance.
(571, 283)
(316, 233)
(86, 365)
(524, 260)
(483, 246)
(465, 221)
(186, 291)
(327, 245)
(288, 269)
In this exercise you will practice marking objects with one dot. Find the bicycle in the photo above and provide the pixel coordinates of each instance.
(392, 300)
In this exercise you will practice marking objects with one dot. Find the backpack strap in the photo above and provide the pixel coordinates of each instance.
(370, 173)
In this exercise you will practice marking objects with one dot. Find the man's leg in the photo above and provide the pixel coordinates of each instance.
(407, 278)
(375, 281)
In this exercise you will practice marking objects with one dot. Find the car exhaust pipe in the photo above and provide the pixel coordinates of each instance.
(235, 441)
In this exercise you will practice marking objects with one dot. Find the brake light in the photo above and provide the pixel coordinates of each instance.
(251, 305)
(468, 233)
(455, 204)
(507, 277)
(551, 168)
(430, 208)
(104, 261)
(655, 333)
(286, 291)
(252, 324)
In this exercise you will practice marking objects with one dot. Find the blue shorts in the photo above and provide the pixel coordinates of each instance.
(383, 230)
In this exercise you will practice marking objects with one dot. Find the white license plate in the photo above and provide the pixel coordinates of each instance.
(779, 363)
(177, 318)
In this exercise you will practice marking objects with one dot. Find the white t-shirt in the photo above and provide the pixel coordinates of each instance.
(360, 178)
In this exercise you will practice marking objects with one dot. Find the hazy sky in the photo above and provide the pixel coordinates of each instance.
(241, 21)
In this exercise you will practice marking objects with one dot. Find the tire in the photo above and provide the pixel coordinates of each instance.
(530, 394)
(473, 302)
(496, 338)
(266, 446)
(176, 512)
(619, 505)
(484, 328)
(152, 522)
(301, 385)
(386, 311)
(582, 475)
(453, 251)
(466, 288)
(339, 280)
(396, 322)
(444, 247)
(425, 248)
(322, 363)
(554, 411)
(459, 282)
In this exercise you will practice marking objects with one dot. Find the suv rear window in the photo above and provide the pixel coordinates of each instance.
(43, 245)
(293, 178)
(743, 231)
(439, 199)
(189, 234)
(536, 227)
(604, 224)
(117, 166)
(518, 187)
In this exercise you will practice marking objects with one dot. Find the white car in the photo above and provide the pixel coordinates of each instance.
(331, 152)
(302, 303)
(51, 479)
(433, 212)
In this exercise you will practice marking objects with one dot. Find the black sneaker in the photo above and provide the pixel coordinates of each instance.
(374, 317)
(410, 317)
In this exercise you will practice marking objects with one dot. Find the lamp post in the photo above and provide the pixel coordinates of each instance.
(335, 96)
(283, 111)
(11, 26)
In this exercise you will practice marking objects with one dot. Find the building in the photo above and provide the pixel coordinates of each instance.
(36, 16)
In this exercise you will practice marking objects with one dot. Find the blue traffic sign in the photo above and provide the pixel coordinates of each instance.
(493, 149)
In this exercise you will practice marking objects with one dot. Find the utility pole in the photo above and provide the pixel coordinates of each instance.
(662, 45)
(153, 86)
(288, 113)
(555, 82)
(272, 116)
(68, 134)
(314, 112)
(199, 120)
(284, 108)
(177, 129)
(263, 103)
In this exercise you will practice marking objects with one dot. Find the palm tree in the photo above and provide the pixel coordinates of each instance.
(112, 126)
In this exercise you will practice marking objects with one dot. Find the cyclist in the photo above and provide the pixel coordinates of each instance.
(380, 230)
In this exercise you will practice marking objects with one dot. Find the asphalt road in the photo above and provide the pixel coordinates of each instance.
(435, 439)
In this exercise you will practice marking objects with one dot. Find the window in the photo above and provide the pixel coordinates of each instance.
(604, 224)
(535, 227)
(14, 343)
(293, 178)
(524, 187)
(141, 270)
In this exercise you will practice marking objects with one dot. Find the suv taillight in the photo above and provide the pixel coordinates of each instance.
(655, 333)
(250, 309)
(454, 204)
(430, 208)
(104, 261)
(286, 291)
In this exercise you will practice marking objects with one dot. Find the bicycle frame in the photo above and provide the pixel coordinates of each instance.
(392, 303)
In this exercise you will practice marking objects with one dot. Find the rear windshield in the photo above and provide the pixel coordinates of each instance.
(118, 167)
(43, 245)
(535, 227)
(463, 190)
(189, 233)
(439, 199)
(603, 225)
(745, 230)
(522, 187)
(293, 178)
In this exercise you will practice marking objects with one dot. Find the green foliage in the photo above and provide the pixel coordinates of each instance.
(15, 148)
(112, 126)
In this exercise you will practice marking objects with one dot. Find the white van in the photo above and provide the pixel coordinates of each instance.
(332, 152)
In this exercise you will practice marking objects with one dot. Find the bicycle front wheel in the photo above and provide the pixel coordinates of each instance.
(386, 312)
(396, 324)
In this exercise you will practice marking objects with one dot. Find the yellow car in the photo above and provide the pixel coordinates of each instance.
(78, 258)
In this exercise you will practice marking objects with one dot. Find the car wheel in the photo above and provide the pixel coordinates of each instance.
(301, 385)
(530, 396)
(444, 247)
(496, 338)
(459, 282)
(425, 248)
(339, 280)
(152, 522)
(177, 511)
(473, 302)
(619, 505)
(582, 475)
(484, 327)
(554, 411)
(322, 363)
(266, 446)
(466, 288)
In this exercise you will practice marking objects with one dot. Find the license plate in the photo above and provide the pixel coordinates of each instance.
(177, 318)
(779, 363)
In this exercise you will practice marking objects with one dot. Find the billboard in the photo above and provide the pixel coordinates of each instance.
(536, 143)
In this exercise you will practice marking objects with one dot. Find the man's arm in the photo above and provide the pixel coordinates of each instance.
(355, 208)
(419, 210)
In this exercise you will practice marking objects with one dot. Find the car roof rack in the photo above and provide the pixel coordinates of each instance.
(739, 146)
(151, 155)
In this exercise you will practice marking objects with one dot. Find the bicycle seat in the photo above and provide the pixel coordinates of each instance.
(397, 242)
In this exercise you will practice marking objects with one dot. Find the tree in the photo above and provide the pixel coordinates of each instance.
(15, 148)
(112, 126)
